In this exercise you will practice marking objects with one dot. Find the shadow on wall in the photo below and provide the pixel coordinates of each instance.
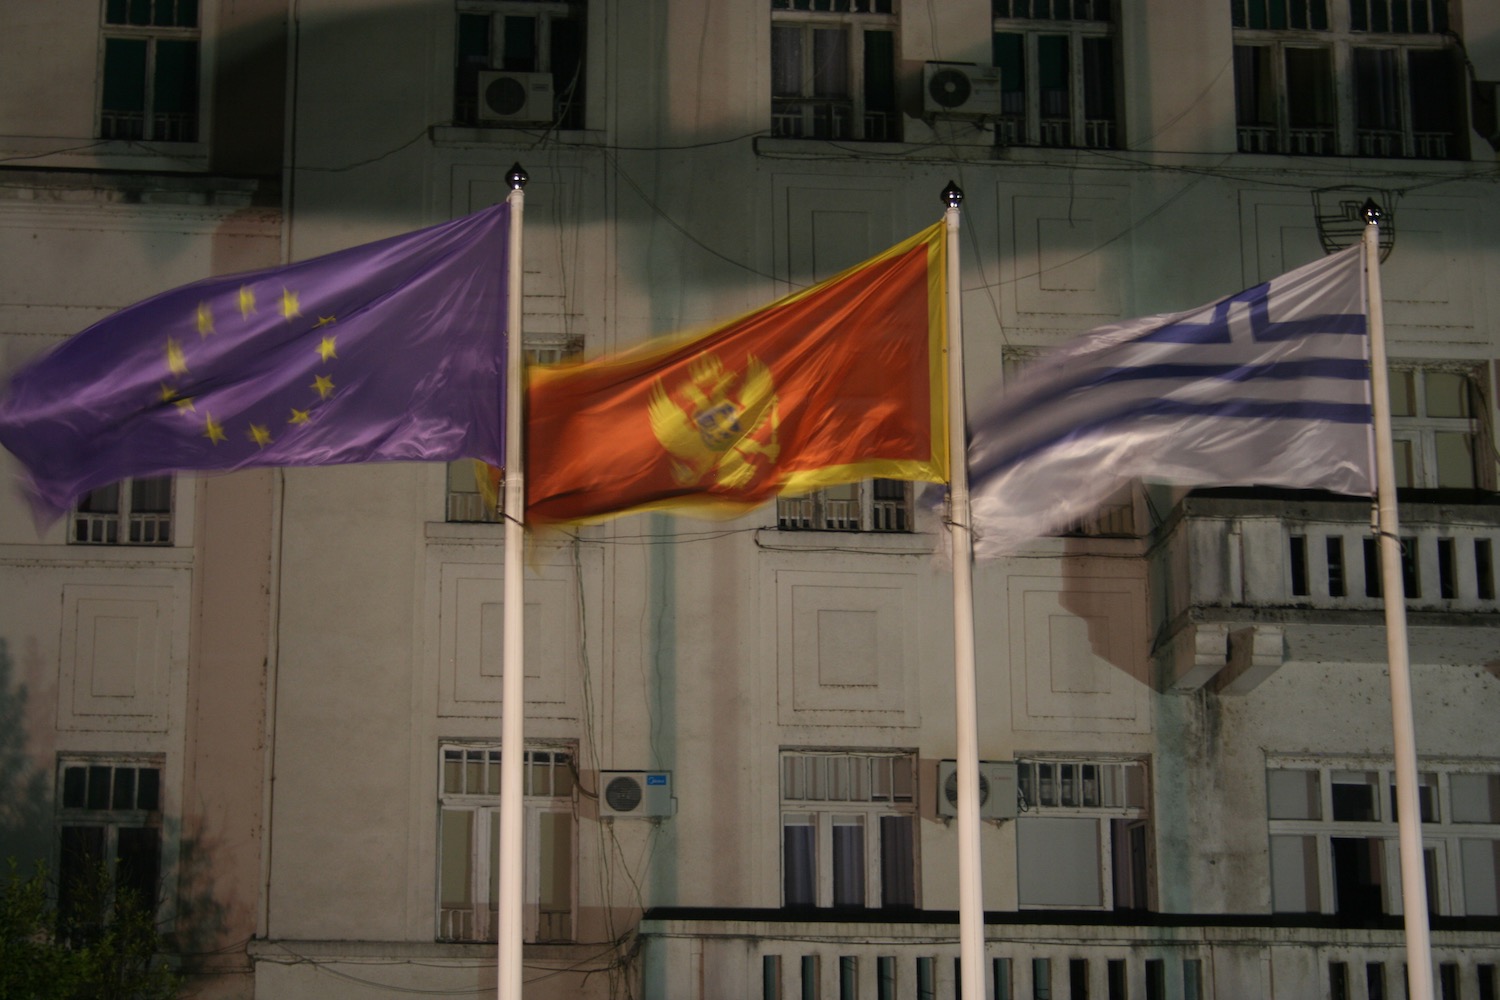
(25, 799)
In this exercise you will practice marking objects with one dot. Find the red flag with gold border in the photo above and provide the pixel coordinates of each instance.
(840, 382)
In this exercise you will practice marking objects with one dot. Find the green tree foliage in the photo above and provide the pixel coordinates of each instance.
(104, 945)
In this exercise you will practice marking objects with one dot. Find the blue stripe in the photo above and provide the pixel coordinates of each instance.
(1242, 409)
(1216, 329)
(1351, 369)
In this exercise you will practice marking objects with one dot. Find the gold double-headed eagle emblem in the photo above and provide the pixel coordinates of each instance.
(718, 425)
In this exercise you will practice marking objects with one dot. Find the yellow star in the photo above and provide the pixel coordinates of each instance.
(327, 320)
(260, 434)
(289, 305)
(298, 416)
(185, 403)
(213, 430)
(247, 301)
(325, 349)
(168, 393)
(324, 385)
(205, 320)
(176, 363)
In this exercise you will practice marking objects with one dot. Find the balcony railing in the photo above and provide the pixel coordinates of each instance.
(1112, 959)
(1323, 556)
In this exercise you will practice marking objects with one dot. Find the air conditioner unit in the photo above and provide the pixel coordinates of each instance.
(997, 789)
(961, 89)
(635, 794)
(518, 98)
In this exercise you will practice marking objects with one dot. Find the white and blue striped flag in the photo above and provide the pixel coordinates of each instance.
(1268, 387)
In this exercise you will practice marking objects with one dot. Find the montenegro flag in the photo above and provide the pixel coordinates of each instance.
(841, 382)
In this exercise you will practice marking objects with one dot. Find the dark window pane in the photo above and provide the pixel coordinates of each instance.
(473, 41)
(140, 12)
(1309, 85)
(897, 862)
(124, 97)
(1359, 17)
(148, 789)
(152, 495)
(1380, 15)
(1098, 79)
(1434, 90)
(880, 78)
(1353, 802)
(1319, 15)
(830, 63)
(1257, 13)
(98, 796)
(1377, 95)
(1010, 60)
(1278, 14)
(1440, 17)
(1254, 87)
(104, 500)
(114, 12)
(799, 880)
(848, 864)
(1052, 59)
(519, 54)
(124, 794)
(75, 780)
(139, 862)
(786, 61)
(1358, 876)
(567, 46)
(187, 13)
(81, 855)
(176, 91)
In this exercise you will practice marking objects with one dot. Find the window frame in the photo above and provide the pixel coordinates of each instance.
(1443, 837)
(1030, 128)
(152, 35)
(1344, 41)
(799, 116)
(126, 525)
(574, 111)
(1415, 435)
(822, 809)
(483, 806)
(1117, 823)
(821, 510)
(111, 818)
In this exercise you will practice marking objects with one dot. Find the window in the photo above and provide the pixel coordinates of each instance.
(109, 826)
(1057, 73)
(1083, 838)
(141, 507)
(1436, 428)
(1333, 839)
(149, 83)
(848, 829)
(473, 488)
(833, 69)
(1348, 78)
(873, 505)
(522, 36)
(469, 843)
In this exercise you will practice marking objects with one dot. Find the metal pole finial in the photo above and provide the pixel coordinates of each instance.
(953, 195)
(1371, 212)
(516, 177)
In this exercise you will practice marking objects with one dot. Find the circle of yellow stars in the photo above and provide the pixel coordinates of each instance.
(290, 308)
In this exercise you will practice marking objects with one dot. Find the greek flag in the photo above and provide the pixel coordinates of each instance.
(1268, 387)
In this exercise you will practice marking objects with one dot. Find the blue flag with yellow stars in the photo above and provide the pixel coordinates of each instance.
(392, 351)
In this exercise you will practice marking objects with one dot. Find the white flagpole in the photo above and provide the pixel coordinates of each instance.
(970, 887)
(1409, 816)
(513, 671)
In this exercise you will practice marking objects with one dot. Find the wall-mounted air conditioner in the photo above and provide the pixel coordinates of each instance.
(635, 794)
(997, 789)
(517, 98)
(960, 89)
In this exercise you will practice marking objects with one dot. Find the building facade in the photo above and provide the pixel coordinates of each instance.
(1188, 690)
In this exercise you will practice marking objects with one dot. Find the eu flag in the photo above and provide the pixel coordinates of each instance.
(391, 351)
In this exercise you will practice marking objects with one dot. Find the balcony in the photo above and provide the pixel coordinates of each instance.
(761, 954)
(1247, 584)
